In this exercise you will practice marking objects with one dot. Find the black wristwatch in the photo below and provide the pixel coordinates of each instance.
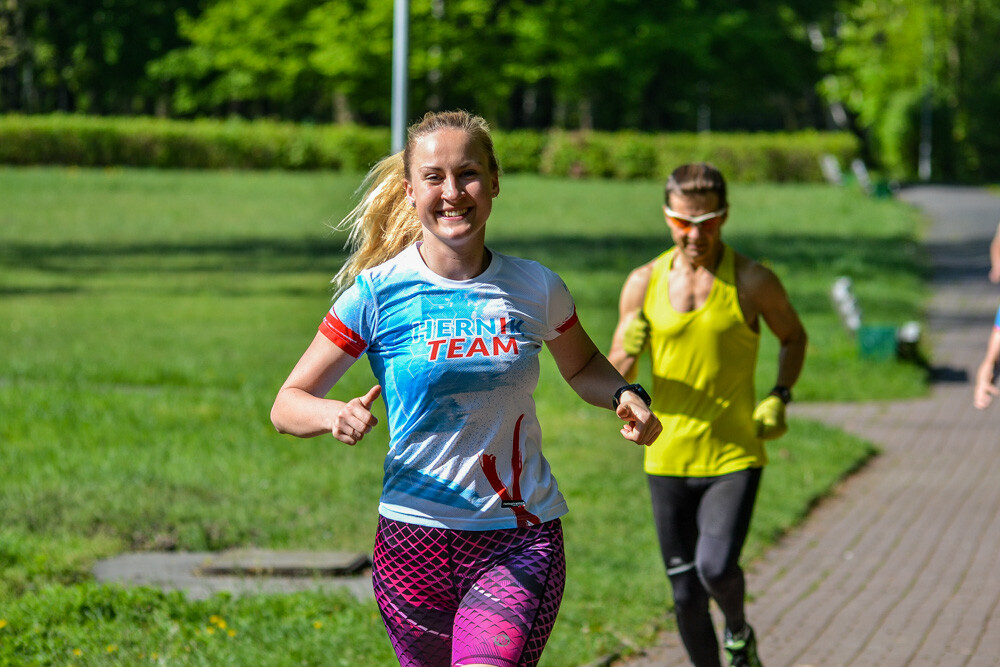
(635, 389)
(784, 393)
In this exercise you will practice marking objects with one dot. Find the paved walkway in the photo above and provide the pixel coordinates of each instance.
(901, 566)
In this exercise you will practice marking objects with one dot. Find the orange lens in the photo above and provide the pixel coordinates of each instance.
(679, 223)
(686, 225)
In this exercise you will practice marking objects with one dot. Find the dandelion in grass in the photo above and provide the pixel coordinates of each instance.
(231, 633)
(3, 623)
(317, 624)
(210, 630)
(77, 652)
(111, 648)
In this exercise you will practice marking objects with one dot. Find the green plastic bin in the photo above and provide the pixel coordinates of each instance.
(877, 342)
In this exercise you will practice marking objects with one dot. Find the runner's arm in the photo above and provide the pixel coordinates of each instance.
(595, 380)
(301, 407)
(629, 305)
(985, 389)
(772, 304)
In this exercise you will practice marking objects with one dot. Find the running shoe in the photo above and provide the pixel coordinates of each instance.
(742, 648)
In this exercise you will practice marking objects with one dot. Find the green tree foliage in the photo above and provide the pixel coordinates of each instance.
(894, 61)
(249, 56)
(976, 133)
(460, 54)
(881, 60)
(352, 51)
(611, 64)
(9, 18)
(83, 55)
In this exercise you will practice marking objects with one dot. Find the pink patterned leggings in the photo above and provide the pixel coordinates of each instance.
(459, 597)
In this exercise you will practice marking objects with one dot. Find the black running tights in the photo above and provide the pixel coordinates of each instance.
(702, 523)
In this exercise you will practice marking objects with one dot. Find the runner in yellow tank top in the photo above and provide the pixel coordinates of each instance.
(703, 378)
(698, 308)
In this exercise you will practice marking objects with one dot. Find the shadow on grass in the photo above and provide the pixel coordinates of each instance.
(807, 255)
(573, 252)
(247, 254)
(54, 290)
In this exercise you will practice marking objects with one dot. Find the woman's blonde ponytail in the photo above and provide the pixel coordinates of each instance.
(382, 224)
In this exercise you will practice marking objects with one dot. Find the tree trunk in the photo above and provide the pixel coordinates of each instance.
(342, 113)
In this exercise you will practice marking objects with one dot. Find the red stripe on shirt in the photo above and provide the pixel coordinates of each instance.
(342, 336)
(565, 326)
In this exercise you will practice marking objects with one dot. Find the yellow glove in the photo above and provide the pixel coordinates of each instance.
(769, 418)
(636, 335)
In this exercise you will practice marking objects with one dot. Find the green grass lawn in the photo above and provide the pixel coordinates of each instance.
(147, 319)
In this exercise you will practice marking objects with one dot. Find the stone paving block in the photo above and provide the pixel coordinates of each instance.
(265, 562)
(185, 571)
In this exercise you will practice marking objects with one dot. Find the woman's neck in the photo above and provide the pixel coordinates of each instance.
(453, 264)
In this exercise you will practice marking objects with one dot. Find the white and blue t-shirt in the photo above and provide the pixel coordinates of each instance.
(458, 363)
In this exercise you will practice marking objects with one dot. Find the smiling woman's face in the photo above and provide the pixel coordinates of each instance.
(452, 188)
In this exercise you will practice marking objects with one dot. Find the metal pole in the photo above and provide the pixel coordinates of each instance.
(400, 71)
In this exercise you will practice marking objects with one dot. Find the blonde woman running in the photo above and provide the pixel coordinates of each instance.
(469, 563)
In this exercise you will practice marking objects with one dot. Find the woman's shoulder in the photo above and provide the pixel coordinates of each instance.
(522, 264)
(408, 258)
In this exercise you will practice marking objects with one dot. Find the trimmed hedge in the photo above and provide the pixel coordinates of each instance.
(752, 157)
(92, 141)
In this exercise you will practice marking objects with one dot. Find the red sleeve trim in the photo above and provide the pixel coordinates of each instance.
(568, 324)
(342, 336)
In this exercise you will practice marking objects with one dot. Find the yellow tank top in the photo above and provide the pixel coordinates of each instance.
(703, 379)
